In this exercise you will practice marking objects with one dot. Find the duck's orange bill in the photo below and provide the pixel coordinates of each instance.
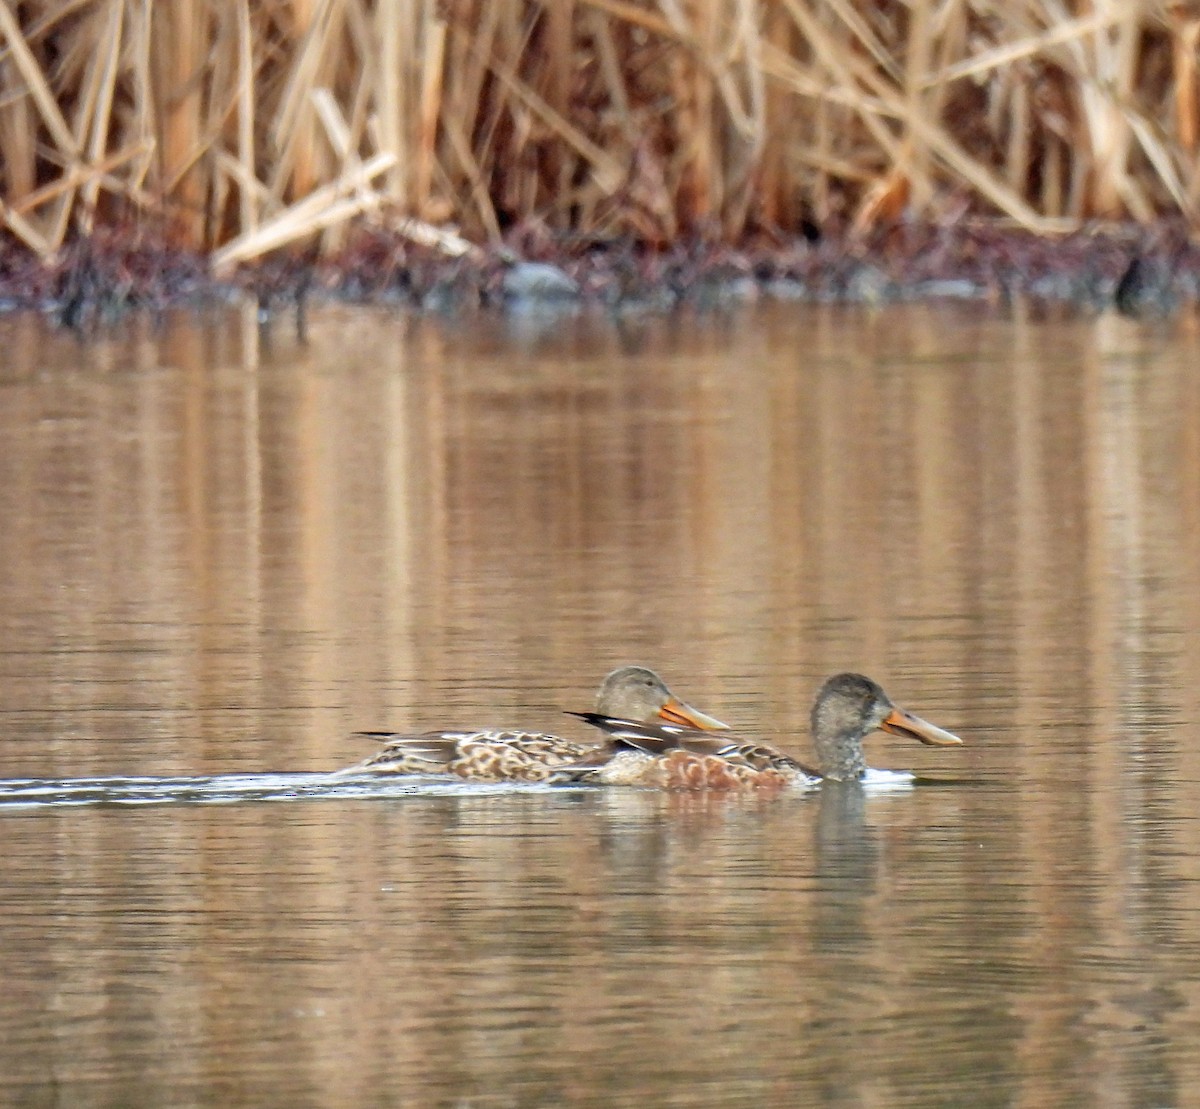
(899, 722)
(676, 711)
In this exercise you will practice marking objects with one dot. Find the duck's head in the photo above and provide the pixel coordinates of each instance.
(637, 693)
(848, 708)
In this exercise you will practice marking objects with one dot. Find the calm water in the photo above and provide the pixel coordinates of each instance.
(224, 550)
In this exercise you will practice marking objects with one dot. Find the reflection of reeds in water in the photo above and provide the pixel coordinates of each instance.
(254, 125)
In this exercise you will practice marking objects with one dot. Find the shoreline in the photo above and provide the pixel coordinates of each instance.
(1141, 271)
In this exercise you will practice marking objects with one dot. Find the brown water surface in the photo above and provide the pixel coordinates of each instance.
(224, 549)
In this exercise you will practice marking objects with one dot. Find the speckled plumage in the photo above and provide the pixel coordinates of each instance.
(684, 770)
(487, 755)
(502, 755)
(847, 708)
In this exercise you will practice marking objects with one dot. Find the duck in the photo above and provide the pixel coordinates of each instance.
(674, 756)
(635, 694)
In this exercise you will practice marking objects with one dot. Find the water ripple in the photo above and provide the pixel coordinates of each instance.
(230, 788)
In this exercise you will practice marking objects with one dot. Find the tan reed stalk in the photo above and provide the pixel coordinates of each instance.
(729, 53)
(691, 169)
(822, 146)
(139, 122)
(596, 115)
(1029, 42)
(838, 73)
(62, 189)
(245, 101)
(299, 174)
(743, 177)
(41, 235)
(337, 130)
(533, 108)
(397, 29)
(613, 78)
(775, 171)
(460, 145)
(948, 25)
(1018, 124)
(883, 100)
(1152, 140)
(1112, 60)
(430, 111)
(18, 172)
(1185, 40)
(75, 67)
(516, 151)
(558, 58)
(43, 97)
(839, 66)
(907, 181)
(288, 113)
(633, 15)
(475, 45)
(353, 87)
(874, 49)
(101, 138)
(325, 207)
(177, 54)
(732, 52)
(456, 160)
(18, 138)
(468, 118)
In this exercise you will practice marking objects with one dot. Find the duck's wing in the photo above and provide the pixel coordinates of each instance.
(762, 756)
(489, 754)
(424, 753)
(660, 740)
(649, 738)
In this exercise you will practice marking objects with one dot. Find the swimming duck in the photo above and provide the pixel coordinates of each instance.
(630, 693)
(670, 756)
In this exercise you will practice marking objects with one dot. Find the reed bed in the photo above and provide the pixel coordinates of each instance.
(242, 127)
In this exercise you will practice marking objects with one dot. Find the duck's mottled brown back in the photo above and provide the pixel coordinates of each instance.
(489, 755)
(847, 707)
(497, 755)
(665, 756)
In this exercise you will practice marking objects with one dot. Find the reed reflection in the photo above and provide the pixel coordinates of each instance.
(226, 553)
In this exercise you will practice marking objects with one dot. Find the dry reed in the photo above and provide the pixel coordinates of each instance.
(242, 127)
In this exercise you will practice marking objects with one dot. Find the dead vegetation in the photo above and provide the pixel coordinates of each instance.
(242, 127)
